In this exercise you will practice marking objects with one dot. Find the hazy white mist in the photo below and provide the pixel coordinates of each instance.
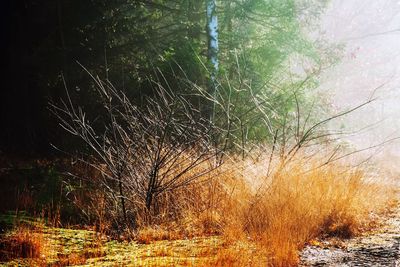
(370, 31)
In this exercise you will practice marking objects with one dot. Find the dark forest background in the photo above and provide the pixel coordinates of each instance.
(129, 42)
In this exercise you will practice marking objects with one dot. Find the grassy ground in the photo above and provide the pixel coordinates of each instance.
(67, 247)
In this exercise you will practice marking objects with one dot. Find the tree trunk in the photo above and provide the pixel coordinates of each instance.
(122, 197)
(151, 189)
(212, 55)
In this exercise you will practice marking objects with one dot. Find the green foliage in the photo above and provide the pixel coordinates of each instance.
(269, 67)
(126, 40)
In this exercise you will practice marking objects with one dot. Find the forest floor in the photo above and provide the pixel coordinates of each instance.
(66, 247)
(378, 247)
(81, 248)
(25, 241)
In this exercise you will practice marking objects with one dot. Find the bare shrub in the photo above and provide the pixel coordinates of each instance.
(143, 154)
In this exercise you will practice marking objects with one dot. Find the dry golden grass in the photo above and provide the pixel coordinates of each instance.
(278, 214)
(23, 242)
(243, 216)
(33, 244)
(295, 205)
(149, 234)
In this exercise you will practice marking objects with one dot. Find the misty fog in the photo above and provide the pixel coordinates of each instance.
(369, 68)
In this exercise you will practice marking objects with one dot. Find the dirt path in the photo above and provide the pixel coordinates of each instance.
(381, 248)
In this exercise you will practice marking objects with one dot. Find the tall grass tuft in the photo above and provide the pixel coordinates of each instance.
(22, 242)
(296, 205)
(276, 214)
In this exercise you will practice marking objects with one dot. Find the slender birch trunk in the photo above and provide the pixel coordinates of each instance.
(212, 38)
